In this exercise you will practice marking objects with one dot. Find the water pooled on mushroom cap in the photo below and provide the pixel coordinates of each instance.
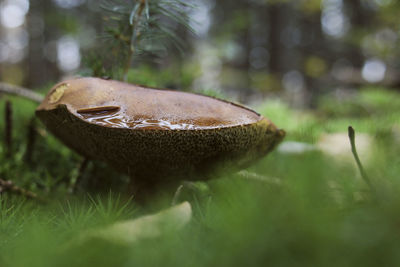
(120, 105)
(91, 116)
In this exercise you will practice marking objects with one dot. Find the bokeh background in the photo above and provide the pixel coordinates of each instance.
(297, 50)
(314, 67)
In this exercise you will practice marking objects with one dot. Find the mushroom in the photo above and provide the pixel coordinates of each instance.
(155, 136)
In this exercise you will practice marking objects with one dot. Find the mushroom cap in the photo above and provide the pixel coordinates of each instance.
(155, 134)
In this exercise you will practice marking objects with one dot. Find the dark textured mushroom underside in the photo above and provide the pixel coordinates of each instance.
(155, 135)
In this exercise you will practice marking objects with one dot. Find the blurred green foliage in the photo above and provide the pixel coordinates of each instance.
(319, 214)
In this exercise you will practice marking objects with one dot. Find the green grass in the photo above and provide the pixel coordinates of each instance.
(320, 214)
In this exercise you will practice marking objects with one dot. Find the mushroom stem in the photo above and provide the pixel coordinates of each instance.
(21, 91)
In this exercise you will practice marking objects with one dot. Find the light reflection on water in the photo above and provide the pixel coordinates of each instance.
(118, 120)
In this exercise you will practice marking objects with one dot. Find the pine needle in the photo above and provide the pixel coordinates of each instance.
(143, 28)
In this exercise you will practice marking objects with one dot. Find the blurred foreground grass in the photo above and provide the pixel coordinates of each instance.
(319, 213)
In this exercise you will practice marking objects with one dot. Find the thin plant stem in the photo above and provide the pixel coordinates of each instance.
(31, 140)
(8, 128)
(127, 65)
(364, 175)
(132, 48)
(82, 167)
(177, 195)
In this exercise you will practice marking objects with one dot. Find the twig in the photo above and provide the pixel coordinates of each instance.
(9, 186)
(355, 154)
(21, 91)
(8, 129)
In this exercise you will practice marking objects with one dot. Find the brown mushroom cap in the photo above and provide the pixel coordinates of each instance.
(121, 105)
(155, 135)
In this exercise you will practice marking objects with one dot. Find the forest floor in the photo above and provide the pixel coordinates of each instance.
(305, 204)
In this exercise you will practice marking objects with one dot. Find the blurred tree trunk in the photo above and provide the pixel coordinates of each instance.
(246, 37)
(238, 18)
(274, 23)
(40, 70)
(314, 45)
(36, 69)
(359, 20)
